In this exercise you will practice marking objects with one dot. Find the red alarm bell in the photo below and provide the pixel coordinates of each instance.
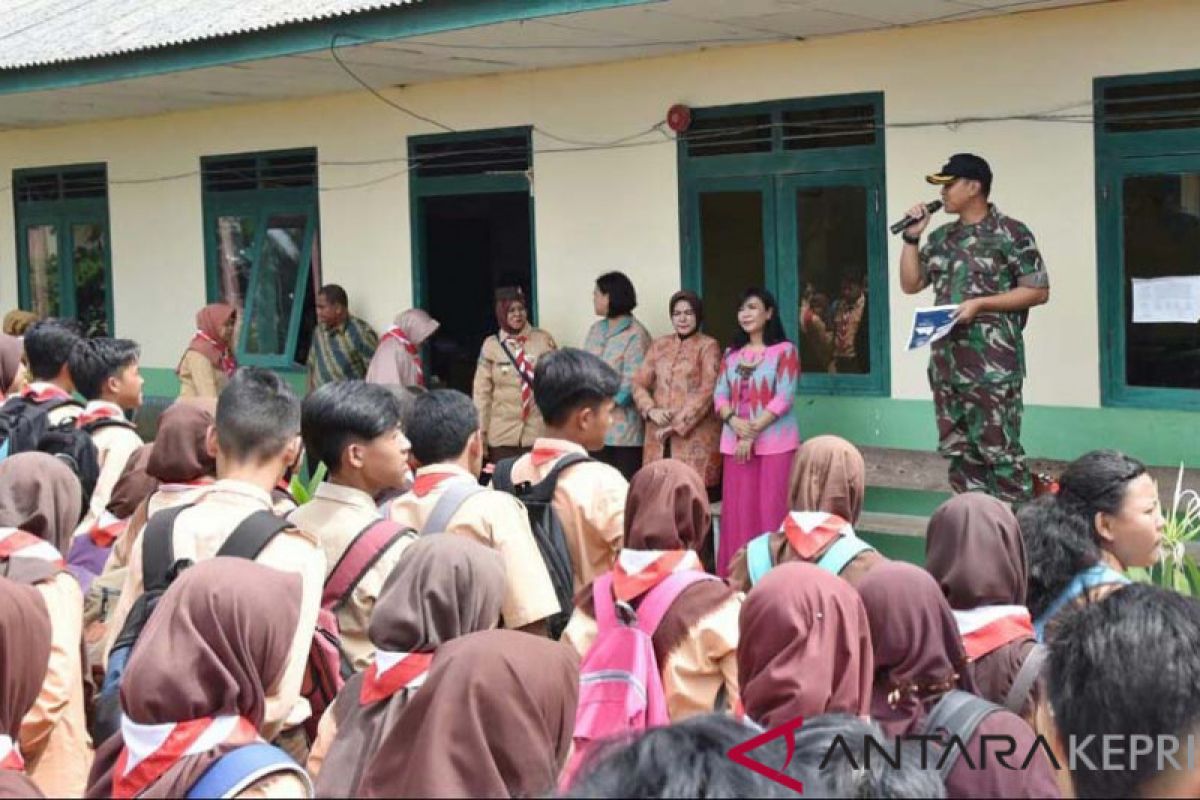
(679, 118)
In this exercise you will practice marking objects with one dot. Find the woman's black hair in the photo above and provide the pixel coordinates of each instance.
(1060, 530)
(622, 297)
(773, 333)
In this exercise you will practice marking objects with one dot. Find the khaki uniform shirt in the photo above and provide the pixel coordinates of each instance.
(497, 391)
(198, 377)
(114, 446)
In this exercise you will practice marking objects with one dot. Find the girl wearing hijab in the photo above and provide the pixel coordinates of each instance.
(503, 392)
(12, 372)
(397, 359)
(825, 493)
(974, 550)
(493, 718)
(806, 647)
(919, 657)
(672, 389)
(232, 622)
(666, 521)
(444, 587)
(209, 362)
(24, 652)
(40, 505)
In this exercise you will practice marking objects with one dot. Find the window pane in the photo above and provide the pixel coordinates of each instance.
(831, 224)
(235, 238)
(278, 266)
(1162, 239)
(88, 252)
(43, 270)
(723, 136)
(845, 126)
(732, 255)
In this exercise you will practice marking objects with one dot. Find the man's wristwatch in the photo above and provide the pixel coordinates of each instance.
(910, 239)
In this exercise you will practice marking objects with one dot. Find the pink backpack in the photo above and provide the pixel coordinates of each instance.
(620, 684)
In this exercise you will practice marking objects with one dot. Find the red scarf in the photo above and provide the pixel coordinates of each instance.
(19, 544)
(10, 755)
(396, 333)
(107, 529)
(47, 393)
(95, 414)
(424, 484)
(390, 672)
(545, 454)
(988, 628)
(516, 346)
(810, 532)
(638, 571)
(151, 750)
(225, 359)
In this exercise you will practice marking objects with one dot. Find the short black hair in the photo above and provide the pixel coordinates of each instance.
(439, 424)
(773, 333)
(48, 346)
(622, 297)
(93, 361)
(567, 379)
(258, 414)
(844, 772)
(1127, 665)
(341, 413)
(687, 759)
(335, 294)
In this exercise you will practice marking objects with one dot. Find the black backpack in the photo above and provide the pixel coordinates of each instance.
(538, 499)
(160, 568)
(25, 427)
(957, 715)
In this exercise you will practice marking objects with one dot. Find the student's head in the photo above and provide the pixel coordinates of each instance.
(48, 346)
(574, 391)
(689, 759)
(443, 426)
(845, 772)
(1128, 666)
(107, 369)
(257, 423)
(614, 295)
(1058, 544)
(333, 306)
(830, 475)
(1119, 499)
(353, 427)
(758, 314)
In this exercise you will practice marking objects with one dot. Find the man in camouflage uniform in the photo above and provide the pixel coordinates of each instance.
(989, 266)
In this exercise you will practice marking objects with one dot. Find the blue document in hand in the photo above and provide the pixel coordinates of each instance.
(930, 324)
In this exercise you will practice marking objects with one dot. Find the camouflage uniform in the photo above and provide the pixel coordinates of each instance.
(976, 371)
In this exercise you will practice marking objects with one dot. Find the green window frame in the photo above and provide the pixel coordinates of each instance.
(772, 164)
(66, 200)
(261, 193)
(1148, 139)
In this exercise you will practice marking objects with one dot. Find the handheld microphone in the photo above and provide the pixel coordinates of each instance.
(910, 219)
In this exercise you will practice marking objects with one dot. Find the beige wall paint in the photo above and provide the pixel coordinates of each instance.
(617, 208)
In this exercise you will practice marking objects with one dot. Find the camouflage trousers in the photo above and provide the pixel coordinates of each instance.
(979, 430)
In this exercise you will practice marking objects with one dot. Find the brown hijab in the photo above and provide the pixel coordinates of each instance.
(232, 622)
(829, 475)
(134, 485)
(805, 647)
(693, 300)
(918, 653)
(444, 587)
(39, 494)
(24, 654)
(666, 508)
(209, 322)
(11, 350)
(494, 719)
(505, 297)
(180, 453)
(974, 549)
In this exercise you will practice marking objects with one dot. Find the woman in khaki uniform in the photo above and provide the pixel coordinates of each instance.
(508, 417)
(209, 362)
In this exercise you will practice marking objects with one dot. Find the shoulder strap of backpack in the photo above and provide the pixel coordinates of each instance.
(758, 557)
(605, 608)
(655, 605)
(502, 476)
(457, 492)
(958, 713)
(1014, 701)
(252, 535)
(569, 460)
(364, 550)
(841, 553)
(107, 422)
(233, 772)
(158, 548)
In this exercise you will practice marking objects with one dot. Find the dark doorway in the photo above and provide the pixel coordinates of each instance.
(471, 244)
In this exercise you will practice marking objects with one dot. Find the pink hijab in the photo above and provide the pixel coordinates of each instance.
(207, 339)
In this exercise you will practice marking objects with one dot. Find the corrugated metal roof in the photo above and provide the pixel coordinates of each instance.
(39, 32)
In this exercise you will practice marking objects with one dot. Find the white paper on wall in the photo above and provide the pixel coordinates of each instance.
(1175, 299)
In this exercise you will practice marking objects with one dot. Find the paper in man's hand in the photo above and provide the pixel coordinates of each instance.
(930, 324)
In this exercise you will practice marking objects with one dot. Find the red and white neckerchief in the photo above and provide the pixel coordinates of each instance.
(426, 483)
(151, 750)
(809, 532)
(226, 360)
(392, 671)
(989, 628)
(396, 333)
(638, 571)
(98, 410)
(543, 453)
(516, 346)
(107, 529)
(44, 393)
(10, 755)
(19, 544)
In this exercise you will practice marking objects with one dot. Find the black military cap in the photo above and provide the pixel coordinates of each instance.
(963, 165)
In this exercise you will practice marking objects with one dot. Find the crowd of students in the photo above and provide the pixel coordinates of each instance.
(166, 625)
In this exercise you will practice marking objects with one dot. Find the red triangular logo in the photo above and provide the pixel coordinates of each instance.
(739, 754)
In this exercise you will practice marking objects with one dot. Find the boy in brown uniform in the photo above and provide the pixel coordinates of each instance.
(48, 346)
(255, 439)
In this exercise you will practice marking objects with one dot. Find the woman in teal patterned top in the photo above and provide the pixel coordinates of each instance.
(622, 342)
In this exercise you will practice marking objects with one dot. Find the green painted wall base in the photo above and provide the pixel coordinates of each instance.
(165, 383)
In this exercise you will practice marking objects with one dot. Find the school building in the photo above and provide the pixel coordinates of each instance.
(158, 156)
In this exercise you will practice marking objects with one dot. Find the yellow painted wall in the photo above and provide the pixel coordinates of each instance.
(618, 209)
